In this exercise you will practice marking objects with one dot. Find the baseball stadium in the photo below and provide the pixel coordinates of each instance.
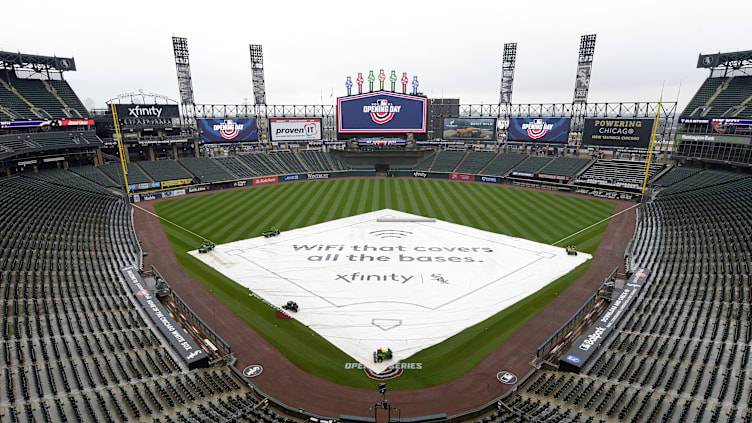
(389, 257)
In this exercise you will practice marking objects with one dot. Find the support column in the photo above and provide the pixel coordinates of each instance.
(175, 151)
(196, 149)
(65, 163)
(151, 152)
(98, 157)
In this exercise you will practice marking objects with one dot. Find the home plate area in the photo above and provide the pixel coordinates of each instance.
(390, 280)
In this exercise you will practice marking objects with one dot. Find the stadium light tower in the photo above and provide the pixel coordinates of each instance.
(508, 60)
(257, 69)
(185, 84)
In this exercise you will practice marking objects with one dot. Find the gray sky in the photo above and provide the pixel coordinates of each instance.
(310, 47)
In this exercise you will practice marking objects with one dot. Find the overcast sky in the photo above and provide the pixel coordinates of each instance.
(310, 47)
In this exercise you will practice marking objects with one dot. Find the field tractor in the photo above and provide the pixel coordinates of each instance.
(206, 247)
(571, 250)
(274, 231)
(382, 354)
(291, 306)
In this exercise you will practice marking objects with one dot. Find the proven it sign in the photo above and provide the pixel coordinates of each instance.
(381, 112)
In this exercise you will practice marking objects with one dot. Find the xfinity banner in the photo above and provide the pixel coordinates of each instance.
(543, 130)
(191, 353)
(633, 133)
(381, 112)
(588, 343)
(295, 129)
(227, 130)
(148, 115)
(480, 129)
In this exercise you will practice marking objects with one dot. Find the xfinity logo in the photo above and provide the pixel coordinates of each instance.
(419, 174)
(139, 111)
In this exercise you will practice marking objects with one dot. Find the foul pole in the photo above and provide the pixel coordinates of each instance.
(119, 140)
(652, 143)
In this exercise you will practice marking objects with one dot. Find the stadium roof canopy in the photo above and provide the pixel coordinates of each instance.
(736, 60)
(36, 62)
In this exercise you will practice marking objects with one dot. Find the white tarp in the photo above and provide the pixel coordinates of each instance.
(371, 281)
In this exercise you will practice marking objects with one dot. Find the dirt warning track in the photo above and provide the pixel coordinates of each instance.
(285, 382)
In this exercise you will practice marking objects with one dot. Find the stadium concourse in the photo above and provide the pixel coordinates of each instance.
(284, 381)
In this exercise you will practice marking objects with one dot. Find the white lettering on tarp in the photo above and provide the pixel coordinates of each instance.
(139, 111)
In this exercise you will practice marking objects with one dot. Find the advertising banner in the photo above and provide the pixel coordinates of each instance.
(181, 342)
(382, 142)
(175, 183)
(24, 124)
(287, 178)
(461, 177)
(607, 132)
(151, 116)
(588, 343)
(227, 130)
(75, 122)
(726, 139)
(490, 179)
(543, 130)
(476, 129)
(523, 174)
(265, 180)
(382, 112)
(295, 129)
(555, 177)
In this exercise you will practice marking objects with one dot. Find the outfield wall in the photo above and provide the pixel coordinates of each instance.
(295, 177)
(235, 183)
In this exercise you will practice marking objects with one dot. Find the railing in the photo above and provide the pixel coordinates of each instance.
(604, 291)
(213, 336)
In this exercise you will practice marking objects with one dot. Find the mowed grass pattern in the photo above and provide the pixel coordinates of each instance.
(235, 215)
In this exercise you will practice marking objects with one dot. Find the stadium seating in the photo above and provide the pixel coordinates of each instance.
(447, 161)
(682, 352)
(73, 344)
(95, 175)
(677, 174)
(702, 96)
(261, 164)
(502, 164)
(14, 144)
(69, 96)
(115, 172)
(236, 167)
(425, 164)
(618, 174)
(288, 161)
(564, 166)
(164, 170)
(532, 164)
(727, 102)
(205, 169)
(475, 161)
(317, 161)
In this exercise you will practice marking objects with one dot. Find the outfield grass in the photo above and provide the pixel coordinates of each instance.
(235, 215)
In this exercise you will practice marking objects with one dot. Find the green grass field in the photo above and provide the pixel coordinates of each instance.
(234, 215)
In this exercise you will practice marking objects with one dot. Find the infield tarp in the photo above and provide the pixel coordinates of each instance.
(543, 130)
(389, 279)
